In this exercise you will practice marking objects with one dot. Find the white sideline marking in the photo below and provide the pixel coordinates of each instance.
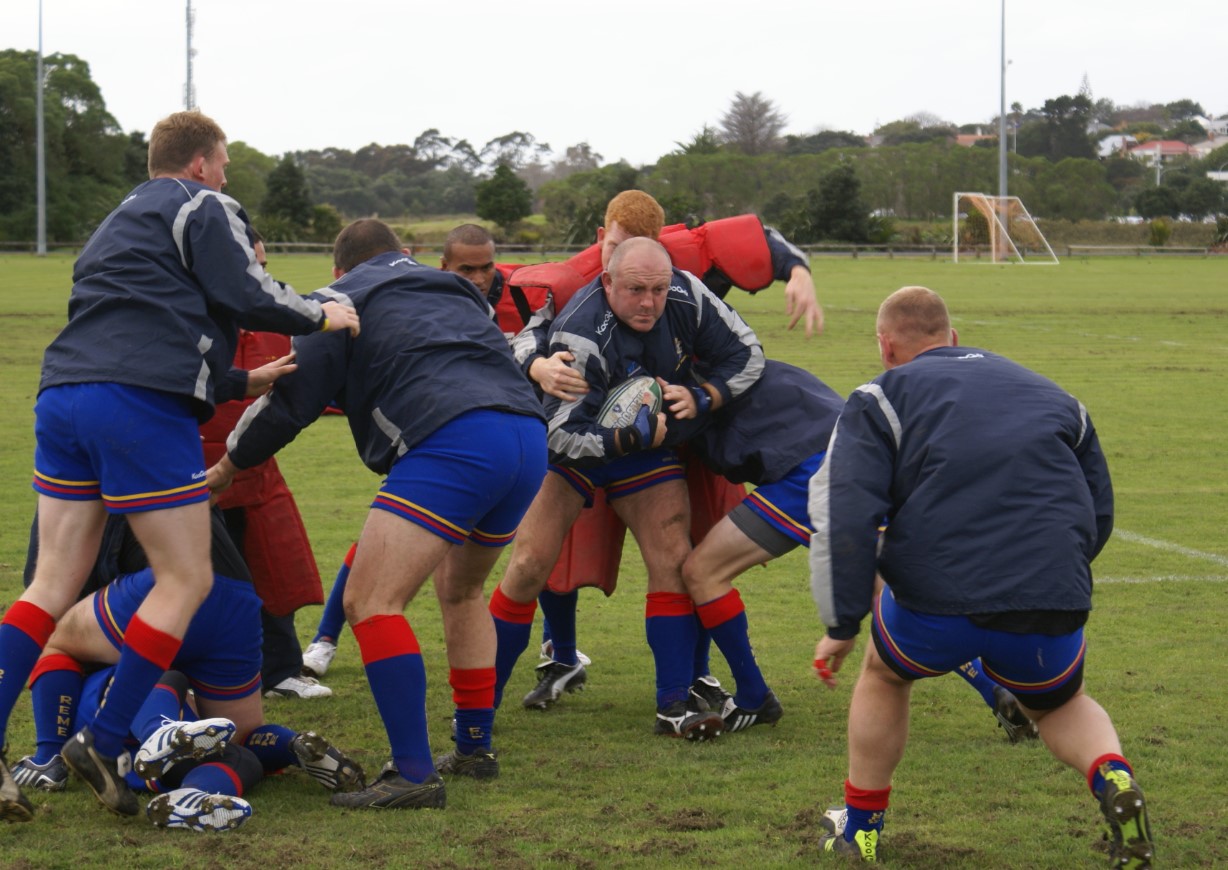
(1172, 548)
(1164, 578)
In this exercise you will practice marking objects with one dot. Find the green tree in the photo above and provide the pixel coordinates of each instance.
(247, 174)
(706, 141)
(1073, 189)
(817, 143)
(504, 198)
(1202, 198)
(575, 206)
(833, 211)
(1157, 202)
(1068, 119)
(89, 161)
(752, 124)
(288, 198)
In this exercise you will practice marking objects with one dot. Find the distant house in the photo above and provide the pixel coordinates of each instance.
(1118, 143)
(1214, 126)
(969, 139)
(1161, 150)
(1202, 149)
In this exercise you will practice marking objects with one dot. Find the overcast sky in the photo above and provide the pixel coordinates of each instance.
(630, 78)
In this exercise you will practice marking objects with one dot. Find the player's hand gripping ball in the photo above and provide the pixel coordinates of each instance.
(625, 400)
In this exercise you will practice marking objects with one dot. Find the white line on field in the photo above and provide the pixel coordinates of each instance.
(1165, 578)
(1170, 547)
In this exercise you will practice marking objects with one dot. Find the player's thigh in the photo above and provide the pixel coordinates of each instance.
(79, 635)
(539, 538)
(247, 712)
(660, 519)
(463, 571)
(393, 559)
(724, 553)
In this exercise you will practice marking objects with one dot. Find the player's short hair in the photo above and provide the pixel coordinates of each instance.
(637, 213)
(179, 139)
(915, 315)
(466, 234)
(361, 241)
(631, 246)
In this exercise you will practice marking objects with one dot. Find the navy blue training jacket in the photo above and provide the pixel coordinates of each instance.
(427, 352)
(160, 291)
(993, 483)
(695, 327)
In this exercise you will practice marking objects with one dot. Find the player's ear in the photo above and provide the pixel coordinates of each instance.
(954, 337)
(600, 235)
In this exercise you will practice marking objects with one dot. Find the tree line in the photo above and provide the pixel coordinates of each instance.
(827, 185)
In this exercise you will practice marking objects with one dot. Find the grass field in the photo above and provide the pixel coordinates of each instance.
(1143, 343)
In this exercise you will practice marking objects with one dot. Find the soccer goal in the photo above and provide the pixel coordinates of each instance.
(1001, 225)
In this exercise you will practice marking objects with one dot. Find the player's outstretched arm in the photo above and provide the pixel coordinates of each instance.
(802, 301)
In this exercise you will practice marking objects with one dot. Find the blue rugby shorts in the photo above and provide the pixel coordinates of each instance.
(777, 515)
(136, 449)
(472, 479)
(1043, 671)
(220, 655)
(625, 475)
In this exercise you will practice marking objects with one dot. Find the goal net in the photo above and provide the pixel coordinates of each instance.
(1000, 227)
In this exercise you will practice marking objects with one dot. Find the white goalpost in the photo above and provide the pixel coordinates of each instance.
(1002, 225)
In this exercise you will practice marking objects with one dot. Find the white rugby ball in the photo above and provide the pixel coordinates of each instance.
(625, 400)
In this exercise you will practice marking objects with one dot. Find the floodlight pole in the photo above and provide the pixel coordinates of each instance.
(189, 93)
(1002, 114)
(40, 145)
(1004, 214)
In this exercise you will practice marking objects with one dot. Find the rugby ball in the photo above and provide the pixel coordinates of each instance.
(625, 400)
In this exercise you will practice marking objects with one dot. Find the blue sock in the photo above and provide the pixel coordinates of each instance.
(728, 626)
(473, 728)
(703, 649)
(393, 662)
(166, 701)
(214, 778)
(560, 615)
(23, 634)
(271, 744)
(513, 628)
(971, 671)
(55, 696)
(669, 622)
(332, 620)
(1103, 765)
(145, 656)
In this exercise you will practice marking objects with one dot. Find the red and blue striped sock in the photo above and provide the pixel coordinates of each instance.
(1101, 766)
(513, 628)
(147, 653)
(393, 662)
(669, 622)
(866, 809)
(473, 693)
(725, 618)
(23, 634)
